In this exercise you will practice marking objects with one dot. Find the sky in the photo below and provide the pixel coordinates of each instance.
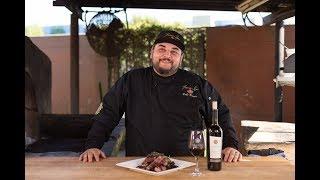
(43, 13)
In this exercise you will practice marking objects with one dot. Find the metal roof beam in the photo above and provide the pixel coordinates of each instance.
(278, 16)
(218, 5)
(73, 6)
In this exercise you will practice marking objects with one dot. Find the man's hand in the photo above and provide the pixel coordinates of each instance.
(91, 154)
(231, 154)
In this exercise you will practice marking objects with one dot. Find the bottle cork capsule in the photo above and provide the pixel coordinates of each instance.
(214, 105)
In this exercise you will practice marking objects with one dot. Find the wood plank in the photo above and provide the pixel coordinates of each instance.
(265, 135)
(267, 132)
(288, 148)
(225, 5)
(267, 126)
(251, 168)
(280, 15)
(270, 137)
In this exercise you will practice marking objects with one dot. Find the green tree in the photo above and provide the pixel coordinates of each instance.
(139, 38)
(57, 30)
(33, 30)
(139, 22)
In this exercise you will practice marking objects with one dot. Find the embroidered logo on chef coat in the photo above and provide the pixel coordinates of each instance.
(189, 91)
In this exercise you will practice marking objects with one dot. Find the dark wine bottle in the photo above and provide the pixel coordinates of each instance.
(214, 141)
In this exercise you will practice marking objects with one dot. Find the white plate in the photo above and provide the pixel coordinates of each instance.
(132, 165)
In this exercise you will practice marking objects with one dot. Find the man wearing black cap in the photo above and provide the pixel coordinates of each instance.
(162, 104)
(167, 53)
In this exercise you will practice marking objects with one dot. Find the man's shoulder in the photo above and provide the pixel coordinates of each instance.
(192, 75)
(137, 71)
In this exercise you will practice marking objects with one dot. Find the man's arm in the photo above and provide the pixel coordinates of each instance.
(109, 116)
(229, 134)
(230, 144)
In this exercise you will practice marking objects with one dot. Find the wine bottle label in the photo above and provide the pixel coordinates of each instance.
(215, 146)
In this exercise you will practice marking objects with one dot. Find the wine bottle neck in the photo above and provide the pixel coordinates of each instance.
(215, 117)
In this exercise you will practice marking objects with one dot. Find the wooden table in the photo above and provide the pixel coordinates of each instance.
(268, 168)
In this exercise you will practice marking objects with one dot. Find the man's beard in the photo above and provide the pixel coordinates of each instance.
(163, 71)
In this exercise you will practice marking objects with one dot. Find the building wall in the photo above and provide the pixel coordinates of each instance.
(93, 69)
(240, 64)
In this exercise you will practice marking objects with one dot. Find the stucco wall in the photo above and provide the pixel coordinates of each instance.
(93, 69)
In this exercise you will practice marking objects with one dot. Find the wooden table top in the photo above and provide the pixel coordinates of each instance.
(268, 168)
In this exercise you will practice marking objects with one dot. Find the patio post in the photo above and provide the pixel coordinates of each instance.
(279, 57)
(74, 63)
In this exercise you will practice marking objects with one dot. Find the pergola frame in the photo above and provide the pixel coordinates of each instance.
(280, 9)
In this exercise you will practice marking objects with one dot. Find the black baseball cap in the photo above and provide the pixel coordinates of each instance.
(172, 37)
